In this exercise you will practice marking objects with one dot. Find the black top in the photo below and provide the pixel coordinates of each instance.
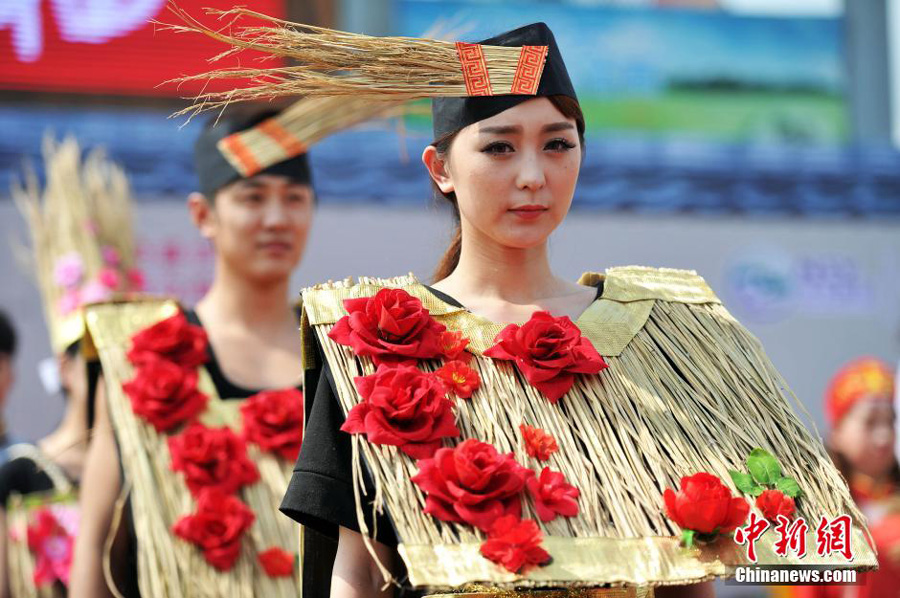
(320, 495)
(22, 475)
(225, 388)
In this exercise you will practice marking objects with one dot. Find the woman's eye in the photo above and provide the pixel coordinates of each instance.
(498, 147)
(559, 145)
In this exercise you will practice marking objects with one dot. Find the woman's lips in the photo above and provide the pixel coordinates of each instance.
(275, 247)
(529, 212)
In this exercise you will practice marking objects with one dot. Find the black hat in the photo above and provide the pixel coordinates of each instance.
(451, 114)
(215, 171)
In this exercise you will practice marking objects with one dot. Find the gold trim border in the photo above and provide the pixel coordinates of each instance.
(587, 562)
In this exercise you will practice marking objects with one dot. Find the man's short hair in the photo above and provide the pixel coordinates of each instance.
(8, 337)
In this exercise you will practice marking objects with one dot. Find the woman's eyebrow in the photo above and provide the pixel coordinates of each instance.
(513, 129)
(560, 126)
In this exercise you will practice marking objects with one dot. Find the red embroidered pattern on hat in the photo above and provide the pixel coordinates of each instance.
(529, 70)
(243, 158)
(290, 144)
(474, 69)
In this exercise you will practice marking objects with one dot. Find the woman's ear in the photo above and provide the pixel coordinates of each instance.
(202, 214)
(437, 168)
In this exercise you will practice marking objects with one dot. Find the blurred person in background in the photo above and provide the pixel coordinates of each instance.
(81, 251)
(258, 226)
(861, 416)
(7, 375)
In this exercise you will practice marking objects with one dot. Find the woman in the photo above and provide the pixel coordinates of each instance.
(258, 226)
(860, 412)
(436, 435)
(82, 251)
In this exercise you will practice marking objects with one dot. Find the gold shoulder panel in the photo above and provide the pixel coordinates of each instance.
(112, 324)
(640, 283)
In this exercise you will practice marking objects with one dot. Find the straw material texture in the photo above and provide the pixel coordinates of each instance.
(691, 390)
(85, 205)
(333, 63)
(167, 566)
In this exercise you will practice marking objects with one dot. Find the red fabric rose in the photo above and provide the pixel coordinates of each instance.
(773, 503)
(453, 346)
(391, 327)
(273, 420)
(174, 339)
(405, 407)
(459, 378)
(549, 352)
(471, 483)
(553, 495)
(216, 527)
(538, 443)
(212, 458)
(515, 544)
(52, 545)
(165, 394)
(705, 505)
(277, 562)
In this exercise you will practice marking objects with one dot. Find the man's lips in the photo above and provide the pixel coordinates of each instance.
(274, 246)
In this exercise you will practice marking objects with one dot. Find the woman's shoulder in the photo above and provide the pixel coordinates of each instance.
(639, 283)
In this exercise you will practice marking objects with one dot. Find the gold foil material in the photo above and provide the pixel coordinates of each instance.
(618, 561)
(608, 324)
(488, 592)
(639, 283)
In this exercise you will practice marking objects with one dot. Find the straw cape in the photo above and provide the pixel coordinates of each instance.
(22, 513)
(168, 566)
(687, 389)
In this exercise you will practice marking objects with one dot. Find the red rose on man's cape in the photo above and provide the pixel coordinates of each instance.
(174, 339)
(391, 327)
(773, 503)
(405, 407)
(553, 495)
(273, 420)
(515, 544)
(549, 351)
(277, 562)
(459, 378)
(471, 483)
(216, 527)
(538, 443)
(705, 505)
(212, 458)
(165, 394)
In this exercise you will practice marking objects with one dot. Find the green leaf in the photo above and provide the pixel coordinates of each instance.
(763, 467)
(756, 490)
(789, 487)
(687, 537)
(743, 481)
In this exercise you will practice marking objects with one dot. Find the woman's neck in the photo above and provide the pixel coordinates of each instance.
(66, 445)
(489, 270)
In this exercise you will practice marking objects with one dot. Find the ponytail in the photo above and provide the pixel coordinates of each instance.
(450, 259)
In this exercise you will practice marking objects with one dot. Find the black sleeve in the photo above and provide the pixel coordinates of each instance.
(320, 493)
(23, 477)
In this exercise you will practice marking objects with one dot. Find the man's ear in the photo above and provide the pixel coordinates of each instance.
(437, 168)
(202, 214)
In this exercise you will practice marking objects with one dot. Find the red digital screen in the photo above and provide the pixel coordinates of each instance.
(110, 46)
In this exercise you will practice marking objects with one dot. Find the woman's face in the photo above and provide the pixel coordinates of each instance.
(514, 174)
(259, 226)
(865, 437)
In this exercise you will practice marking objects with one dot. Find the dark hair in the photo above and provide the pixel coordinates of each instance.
(8, 338)
(569, 108)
